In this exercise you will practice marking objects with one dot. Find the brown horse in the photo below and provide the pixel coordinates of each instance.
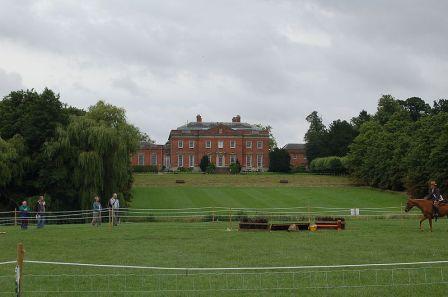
(426, 207)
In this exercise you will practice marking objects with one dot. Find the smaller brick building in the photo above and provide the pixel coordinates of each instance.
(297, 153)
(149, 154)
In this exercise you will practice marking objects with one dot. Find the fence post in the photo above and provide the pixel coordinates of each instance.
(110, 223)
(15, 217)
(19, 269)
(309, 214)
(229, 227)
(213, 214)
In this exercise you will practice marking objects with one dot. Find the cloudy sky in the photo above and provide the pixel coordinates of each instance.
(272, 62)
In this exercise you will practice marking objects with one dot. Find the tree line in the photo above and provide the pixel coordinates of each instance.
(66, 153)
(400, 147)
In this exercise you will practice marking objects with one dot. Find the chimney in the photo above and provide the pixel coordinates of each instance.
(198, 118)
(236, 119)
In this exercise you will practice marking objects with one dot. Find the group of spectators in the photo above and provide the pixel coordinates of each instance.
(40, 208)
(113, 205)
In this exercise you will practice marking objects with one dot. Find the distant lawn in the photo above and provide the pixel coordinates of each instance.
(256, 197)
(256, 191)
(252, 180)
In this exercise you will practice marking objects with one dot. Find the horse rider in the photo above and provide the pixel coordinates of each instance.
(434, 195)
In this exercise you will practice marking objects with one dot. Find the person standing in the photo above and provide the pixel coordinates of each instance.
(40, 212)
(114, 205)
(24, 214)
(96, 220)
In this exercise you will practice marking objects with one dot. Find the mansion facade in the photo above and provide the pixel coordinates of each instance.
(224, 143)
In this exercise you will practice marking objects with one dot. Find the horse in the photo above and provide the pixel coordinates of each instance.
(425, 206)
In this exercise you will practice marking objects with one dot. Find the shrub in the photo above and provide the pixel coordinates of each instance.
(145, 168)
(329, 165)
(183, 169)
(299, 169)
(235, 168)
(211, 168)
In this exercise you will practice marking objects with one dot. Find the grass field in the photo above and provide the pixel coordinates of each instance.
(208, 244)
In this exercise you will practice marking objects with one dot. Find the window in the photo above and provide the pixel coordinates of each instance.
(208, 144)
(141, 159)
(260, 161)
(209, 158)
(220, 161)
(294, 156)
(191, 160)
(153, 159)
(259, 144)
(220, 131)
(232, 159)
(248, 144)
(220, 144)
(248, 161)
(191, 144)
(180, 161)
(167, 162)
(232, 143)
(180, 144)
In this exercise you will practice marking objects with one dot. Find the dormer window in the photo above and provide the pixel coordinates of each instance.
(220, 131)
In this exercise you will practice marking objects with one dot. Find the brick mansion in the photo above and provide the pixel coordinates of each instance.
(223, 143)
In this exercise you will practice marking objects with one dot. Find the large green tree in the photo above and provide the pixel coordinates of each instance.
(95, 149)
(403, 146)
(12, 164)
(279, 160)
(33, 117)
(339, 136)
(315, 137)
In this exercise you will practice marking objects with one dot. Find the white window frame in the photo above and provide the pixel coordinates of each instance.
(248, 161)
(232, 144)
(180, 144)
(259, 161)
(220, 159)
(232, 159)
(259, 144)
(220, 144)
(191, 143)
(167, 161)
(208, 144)
(141, 159)
(249, 144)
(154, 155)
(191, 160)
(180, 160)
(209, 157)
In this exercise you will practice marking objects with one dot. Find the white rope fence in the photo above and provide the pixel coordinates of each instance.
(205, 214)
(203, 280)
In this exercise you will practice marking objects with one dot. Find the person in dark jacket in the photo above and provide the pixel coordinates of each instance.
(434, 195)
(40, 212)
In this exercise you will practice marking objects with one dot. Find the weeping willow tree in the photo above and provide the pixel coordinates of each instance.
(11, 168)
(96, 147)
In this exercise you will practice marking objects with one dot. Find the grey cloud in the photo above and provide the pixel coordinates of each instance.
(9, 82)
(273, 62)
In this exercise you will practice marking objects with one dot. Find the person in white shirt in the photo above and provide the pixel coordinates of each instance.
(114, 205)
